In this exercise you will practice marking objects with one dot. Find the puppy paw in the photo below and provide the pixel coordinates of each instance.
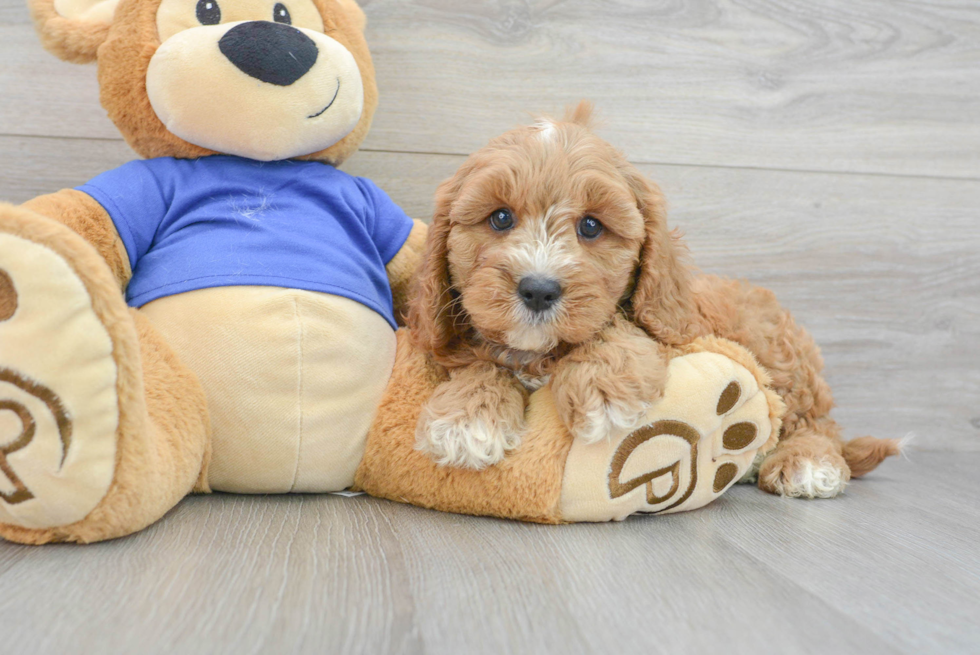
(473, 419)
(598, 423)
(608, 386)
(471, 442)
(595, 406)
(789, 473)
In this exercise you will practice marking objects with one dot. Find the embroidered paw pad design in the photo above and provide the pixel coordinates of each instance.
(23, 416)
(735, 437)
(696, 442)
(59, 410)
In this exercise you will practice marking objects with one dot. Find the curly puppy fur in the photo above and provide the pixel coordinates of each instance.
(629, 283)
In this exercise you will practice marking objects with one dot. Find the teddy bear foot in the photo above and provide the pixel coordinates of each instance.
(696, 442)
(59, 408)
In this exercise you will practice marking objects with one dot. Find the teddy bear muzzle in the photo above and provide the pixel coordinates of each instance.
(257, 89)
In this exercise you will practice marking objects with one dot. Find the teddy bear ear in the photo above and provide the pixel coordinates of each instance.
(73, 30)
(354, 13)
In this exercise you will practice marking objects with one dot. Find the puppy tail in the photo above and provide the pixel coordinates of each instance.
(864, 454)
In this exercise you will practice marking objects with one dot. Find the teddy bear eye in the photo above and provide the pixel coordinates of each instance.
(208, 12)
(501, 220)
(590, 228)
(281, 15)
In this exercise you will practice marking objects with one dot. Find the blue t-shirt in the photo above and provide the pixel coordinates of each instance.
(227, 221)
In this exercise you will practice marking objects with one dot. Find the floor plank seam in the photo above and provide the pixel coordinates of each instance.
(637, 162)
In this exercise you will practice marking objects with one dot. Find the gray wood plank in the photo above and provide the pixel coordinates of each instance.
(843, 85)
(883, 552)
(291, 574)
(883, 270)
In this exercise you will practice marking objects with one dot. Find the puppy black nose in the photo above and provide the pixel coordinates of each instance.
(539, 293)
(271, 52)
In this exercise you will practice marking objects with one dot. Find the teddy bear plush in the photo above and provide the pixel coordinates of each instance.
(266, 280)
(222, 314)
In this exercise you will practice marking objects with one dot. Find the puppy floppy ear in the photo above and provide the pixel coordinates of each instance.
(433, 311)
(662, 302)
(73, 30)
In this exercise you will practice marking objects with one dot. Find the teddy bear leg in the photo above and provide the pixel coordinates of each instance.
(695, 441)
(102, 430)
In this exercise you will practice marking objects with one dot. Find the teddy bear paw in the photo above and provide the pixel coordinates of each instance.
(58, 398)
(694, 443)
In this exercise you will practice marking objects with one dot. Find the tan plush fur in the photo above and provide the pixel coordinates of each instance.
(86, 217)
(551, 175)
(401, 269)
(526, 486)
(71, 39)
(162, 433)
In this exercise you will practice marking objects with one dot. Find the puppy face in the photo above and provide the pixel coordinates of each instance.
(544, 237)
(537, 240)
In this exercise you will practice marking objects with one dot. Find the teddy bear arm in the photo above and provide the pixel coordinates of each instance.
(401, 269)
(85, 216)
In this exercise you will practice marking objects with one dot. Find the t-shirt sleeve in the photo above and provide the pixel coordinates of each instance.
(389, 226)
(135, 200)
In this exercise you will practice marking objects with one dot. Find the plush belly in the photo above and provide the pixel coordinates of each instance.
(293, 379)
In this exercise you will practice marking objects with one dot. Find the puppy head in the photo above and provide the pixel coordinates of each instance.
(537, 241)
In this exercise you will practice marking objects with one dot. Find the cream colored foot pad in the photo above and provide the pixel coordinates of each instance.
(696, 442)
(58, 403)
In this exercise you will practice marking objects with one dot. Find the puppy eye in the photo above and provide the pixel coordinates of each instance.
(281, 15)
(501, 220)
(208, 12)
(590, 228)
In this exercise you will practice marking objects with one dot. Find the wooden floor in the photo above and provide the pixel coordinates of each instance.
(828, 149)
(890, 567)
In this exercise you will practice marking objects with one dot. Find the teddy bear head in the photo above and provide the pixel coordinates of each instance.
(263, 79)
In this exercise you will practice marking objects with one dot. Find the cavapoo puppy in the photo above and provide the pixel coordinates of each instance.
(549, 261)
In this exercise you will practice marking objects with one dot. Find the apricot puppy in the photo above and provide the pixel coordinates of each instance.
(539, 243)
(549, 261)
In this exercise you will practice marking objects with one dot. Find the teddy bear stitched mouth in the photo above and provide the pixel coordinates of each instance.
(329, 104)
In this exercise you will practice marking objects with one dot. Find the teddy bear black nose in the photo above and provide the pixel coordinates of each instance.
(272, 52)
(539, 293)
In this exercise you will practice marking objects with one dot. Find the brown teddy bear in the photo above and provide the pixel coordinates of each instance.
(222, 314)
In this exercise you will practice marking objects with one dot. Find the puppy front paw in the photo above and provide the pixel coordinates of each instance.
(609, 385)
(471, 442)
(598, 422)
(596, 399)
(473, 419)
